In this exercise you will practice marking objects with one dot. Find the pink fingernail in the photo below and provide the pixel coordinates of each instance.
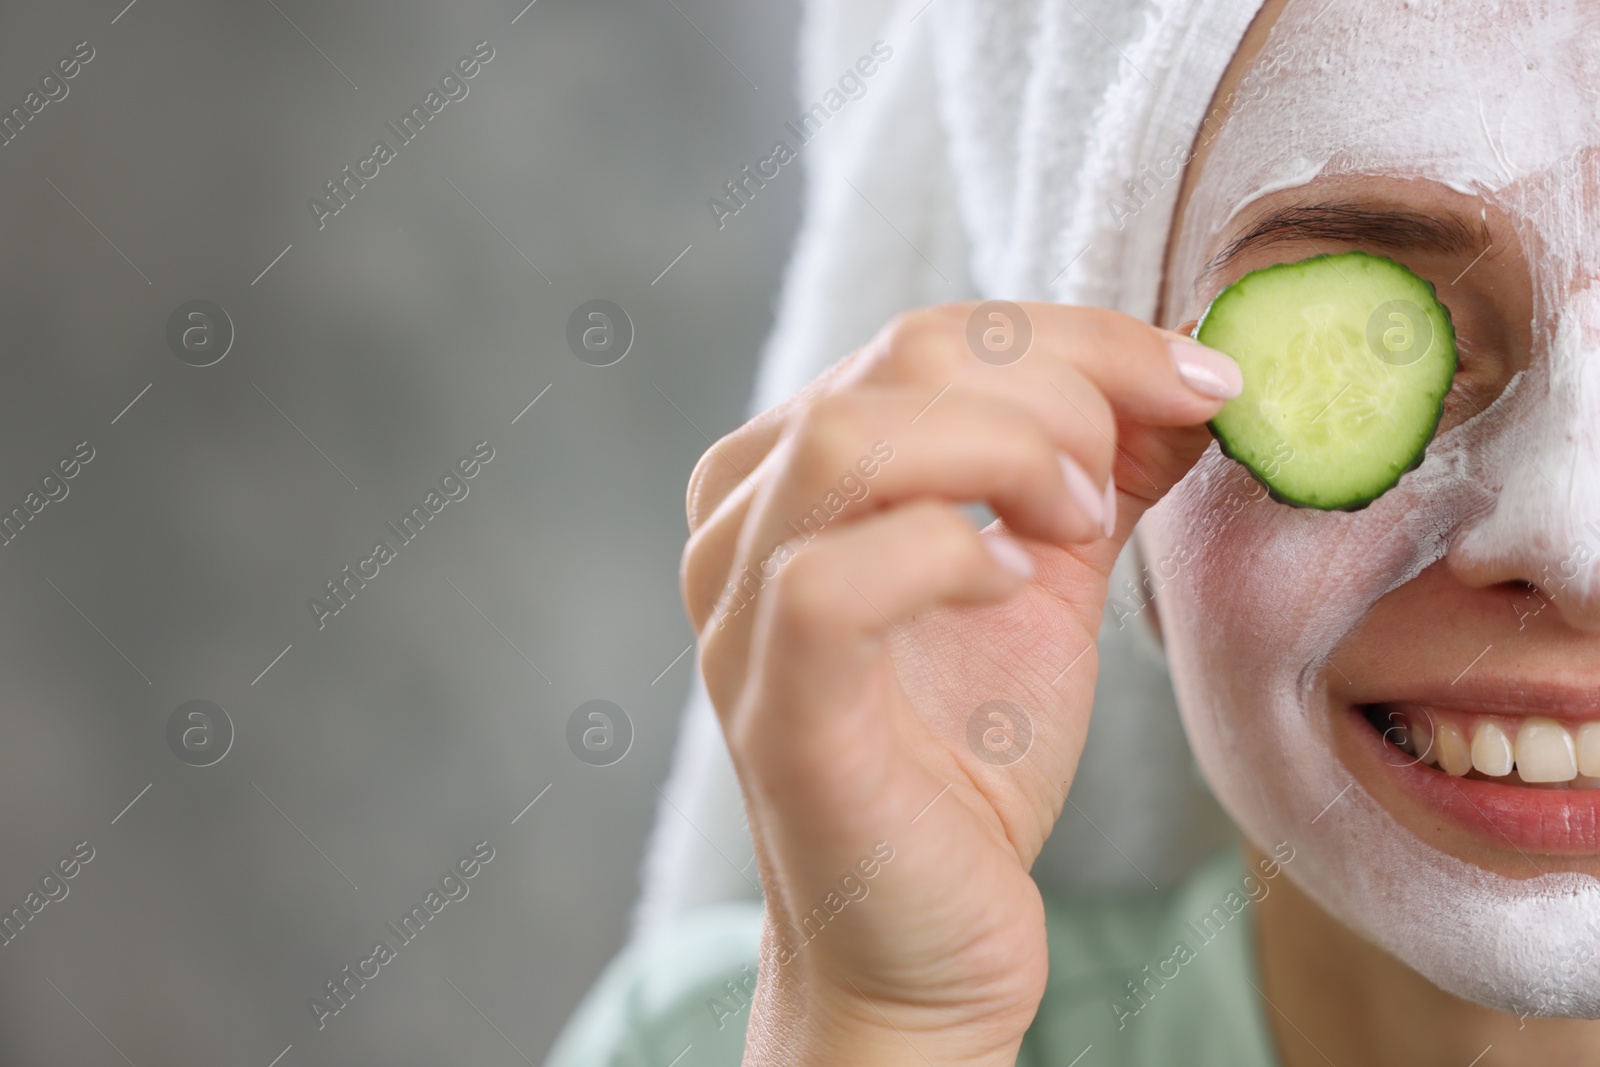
(1205, 370)
(1081, 488)
(1010, 555)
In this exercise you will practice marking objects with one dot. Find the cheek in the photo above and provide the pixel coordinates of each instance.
(1229, 603)
(1267, 594)
(1245, 619)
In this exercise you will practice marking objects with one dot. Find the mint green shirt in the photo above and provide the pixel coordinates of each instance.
(1152, 978)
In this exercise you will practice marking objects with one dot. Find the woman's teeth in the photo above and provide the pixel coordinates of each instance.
(1529, 751)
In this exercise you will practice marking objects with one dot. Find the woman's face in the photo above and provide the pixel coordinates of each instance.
(1462, 140)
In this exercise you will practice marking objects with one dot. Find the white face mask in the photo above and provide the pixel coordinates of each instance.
(1498, 100)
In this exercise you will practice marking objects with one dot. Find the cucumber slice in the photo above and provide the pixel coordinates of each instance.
(1347, 360)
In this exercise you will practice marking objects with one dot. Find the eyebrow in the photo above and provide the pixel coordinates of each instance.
(1356, 223)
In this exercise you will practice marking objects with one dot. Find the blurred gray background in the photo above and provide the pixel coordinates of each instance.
(368, 357)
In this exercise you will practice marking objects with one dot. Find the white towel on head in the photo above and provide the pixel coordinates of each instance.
(984, 162)
(1149, 118)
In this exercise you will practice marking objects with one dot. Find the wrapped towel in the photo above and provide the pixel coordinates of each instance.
(990, 159)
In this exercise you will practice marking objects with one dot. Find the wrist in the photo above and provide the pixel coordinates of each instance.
(798, 1024)
(826, 1043)
(886, 1049)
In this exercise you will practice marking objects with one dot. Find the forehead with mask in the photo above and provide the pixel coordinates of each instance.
(1461, 140)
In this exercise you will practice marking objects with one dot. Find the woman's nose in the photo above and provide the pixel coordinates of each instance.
(1545, 525)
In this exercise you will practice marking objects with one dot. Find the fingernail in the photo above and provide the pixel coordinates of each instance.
(1110, 526)
(1207, 371)
(1010, 555)
(1082, 490)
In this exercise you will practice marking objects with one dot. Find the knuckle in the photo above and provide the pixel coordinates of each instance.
(1104, 418)
(700, 570)
(805, 594)
(694, 504)
(722, 667)
(1103, 325)
(918, 344)
(1097, 411)
(830, 410)
(698, 500)
(824, 436)
(1113, 336)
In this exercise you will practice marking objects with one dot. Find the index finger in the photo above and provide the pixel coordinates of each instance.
(1147, 374)
(730, 463)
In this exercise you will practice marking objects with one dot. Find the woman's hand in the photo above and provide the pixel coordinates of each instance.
(906, 699)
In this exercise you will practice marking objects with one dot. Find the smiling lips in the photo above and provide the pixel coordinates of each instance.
(1523, 750)
(1493, 768)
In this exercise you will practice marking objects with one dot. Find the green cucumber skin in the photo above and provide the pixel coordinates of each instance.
(1356, 505)
(1363, 502)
